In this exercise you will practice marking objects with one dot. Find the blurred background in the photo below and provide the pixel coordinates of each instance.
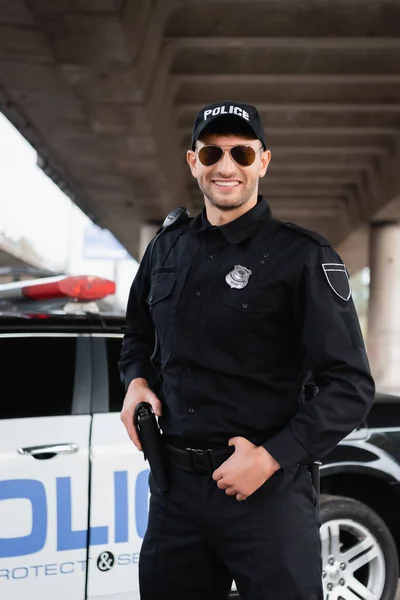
(97, 100)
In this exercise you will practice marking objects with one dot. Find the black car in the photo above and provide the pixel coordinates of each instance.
(60, 368)
(360, 506)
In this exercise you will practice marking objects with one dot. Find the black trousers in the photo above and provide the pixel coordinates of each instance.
(199, 539)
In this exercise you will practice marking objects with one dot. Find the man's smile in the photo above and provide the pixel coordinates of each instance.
(227, 184)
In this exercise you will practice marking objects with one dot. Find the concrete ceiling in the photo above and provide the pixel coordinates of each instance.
(106, 91)
(20, 257)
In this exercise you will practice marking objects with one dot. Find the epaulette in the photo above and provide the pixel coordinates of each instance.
(308, 233)
(175, 219)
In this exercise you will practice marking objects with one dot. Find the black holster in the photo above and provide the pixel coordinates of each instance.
(309, 391)
(150, 437)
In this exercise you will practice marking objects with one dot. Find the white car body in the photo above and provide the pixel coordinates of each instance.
(94, 476)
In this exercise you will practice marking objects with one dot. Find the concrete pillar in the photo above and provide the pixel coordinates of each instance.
(384, 306)
(147, 232)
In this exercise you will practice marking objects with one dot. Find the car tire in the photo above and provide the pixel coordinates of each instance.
(352, 536)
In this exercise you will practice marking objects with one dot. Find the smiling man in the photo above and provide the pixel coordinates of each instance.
(225, 164)
(245, 309)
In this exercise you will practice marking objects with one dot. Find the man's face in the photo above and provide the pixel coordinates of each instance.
(226, 184)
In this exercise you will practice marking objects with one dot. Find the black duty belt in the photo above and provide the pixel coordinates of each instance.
(195, 460)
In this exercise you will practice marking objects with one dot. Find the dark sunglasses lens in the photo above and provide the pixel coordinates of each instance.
(209, 155)
(243, 155)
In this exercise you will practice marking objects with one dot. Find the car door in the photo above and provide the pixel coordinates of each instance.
(44, 465)
(119, 484)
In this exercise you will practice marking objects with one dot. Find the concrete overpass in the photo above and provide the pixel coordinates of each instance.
(19, 261)
(106, 91)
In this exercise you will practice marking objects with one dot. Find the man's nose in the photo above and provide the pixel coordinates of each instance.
(226, 166)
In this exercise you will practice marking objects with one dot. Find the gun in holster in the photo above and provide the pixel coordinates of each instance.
(309, 391)
(150, 437)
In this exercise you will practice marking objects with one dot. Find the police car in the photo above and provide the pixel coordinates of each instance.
(73, 488)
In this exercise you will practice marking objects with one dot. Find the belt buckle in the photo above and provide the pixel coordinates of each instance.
(200, 459)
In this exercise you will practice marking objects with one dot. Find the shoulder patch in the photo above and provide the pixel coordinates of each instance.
(338, 278)
(308, 233)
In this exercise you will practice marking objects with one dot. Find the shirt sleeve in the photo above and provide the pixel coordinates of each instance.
(139, 339)
(334, 352)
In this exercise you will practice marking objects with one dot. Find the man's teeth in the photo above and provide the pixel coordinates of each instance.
(227, 183)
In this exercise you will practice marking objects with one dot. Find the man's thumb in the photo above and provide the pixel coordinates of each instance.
(233, 441)
(156, 405)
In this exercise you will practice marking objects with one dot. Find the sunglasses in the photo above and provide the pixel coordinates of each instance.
(242, 155)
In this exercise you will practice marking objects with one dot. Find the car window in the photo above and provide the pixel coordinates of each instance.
(115, 387)
(38, 373)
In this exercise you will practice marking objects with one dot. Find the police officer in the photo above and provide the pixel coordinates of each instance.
(239, 309)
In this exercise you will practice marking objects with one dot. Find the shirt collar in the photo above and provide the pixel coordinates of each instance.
(239, 229)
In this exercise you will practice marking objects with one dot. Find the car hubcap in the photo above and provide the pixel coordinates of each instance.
(353, 562)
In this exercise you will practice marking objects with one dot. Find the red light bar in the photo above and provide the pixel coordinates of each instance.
(81, 288)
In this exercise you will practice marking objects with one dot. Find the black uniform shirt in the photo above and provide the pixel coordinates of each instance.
(233, 359)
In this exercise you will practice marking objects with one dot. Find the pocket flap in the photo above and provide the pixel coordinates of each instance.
(161, 287)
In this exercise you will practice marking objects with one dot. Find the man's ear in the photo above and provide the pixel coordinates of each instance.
(265, 160)
(191, 159)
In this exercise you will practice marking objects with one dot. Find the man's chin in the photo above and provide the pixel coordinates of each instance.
(226, 204)
(225, 207)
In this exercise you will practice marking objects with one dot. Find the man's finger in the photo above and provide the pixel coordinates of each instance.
(136, 441)
(240, 497)
(217, 475)
(230, 491)
(222, 484)
(131, 429)
(127, 419)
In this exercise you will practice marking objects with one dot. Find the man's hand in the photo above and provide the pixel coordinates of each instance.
(138, 391)
(246, 470)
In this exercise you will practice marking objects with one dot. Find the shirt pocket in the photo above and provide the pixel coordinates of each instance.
(161, 309)
(251, 319)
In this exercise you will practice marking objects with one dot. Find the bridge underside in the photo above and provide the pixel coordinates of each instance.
(106, 91)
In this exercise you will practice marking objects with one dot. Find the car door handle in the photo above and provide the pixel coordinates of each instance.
(50, 450)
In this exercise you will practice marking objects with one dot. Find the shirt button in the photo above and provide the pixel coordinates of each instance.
(265, 255)
(245, 305)
(188, 335)
(188, 370)
(150, 298)
(210, 257)
(262, 262)
(191, 410)
(198, 293)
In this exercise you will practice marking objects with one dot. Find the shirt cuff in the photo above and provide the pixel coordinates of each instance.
(285, 448)
(140, 369)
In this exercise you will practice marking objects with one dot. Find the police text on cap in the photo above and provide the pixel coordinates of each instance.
(232, 110)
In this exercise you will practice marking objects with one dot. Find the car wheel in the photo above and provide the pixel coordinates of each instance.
(359, 555)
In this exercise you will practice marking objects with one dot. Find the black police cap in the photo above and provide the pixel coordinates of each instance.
(245, 112)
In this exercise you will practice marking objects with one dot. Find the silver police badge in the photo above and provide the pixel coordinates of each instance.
(239, 277)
